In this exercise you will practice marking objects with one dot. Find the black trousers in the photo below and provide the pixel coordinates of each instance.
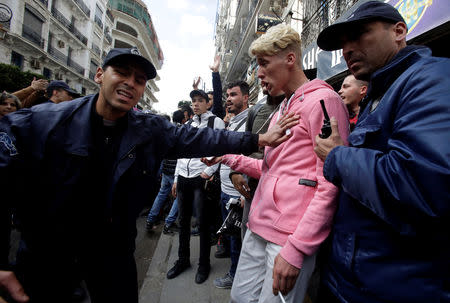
(191, 194)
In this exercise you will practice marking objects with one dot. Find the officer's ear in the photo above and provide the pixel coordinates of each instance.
(99, 75)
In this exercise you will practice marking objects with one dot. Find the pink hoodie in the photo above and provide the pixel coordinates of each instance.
(294, 205)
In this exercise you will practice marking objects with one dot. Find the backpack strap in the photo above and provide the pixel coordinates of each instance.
(240, 124)
(211, 121)
(252, 115)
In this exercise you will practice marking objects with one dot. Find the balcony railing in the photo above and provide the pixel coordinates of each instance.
(69, 25)
(108, 38)
(45, 2)
(57, 54)
(60, 17)
(109, 15)
(32, 36)
(98, 21)
(320, 14)
(83, 7)
(78, 34)
(91, 75)
(96, 49)
(75, 66)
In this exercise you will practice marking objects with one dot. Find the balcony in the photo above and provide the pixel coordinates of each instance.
(57, 54)
(92, 75)
(96, 49)
(60, 17)
(109, 15)
(98, 21)
(45, 2)
(69, 25)
(318, 15)
(108, 38)
(78, 34)
(78, 68)
(83, 7)
(32, 36)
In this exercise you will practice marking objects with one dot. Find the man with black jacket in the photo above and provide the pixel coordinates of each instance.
(91, 161)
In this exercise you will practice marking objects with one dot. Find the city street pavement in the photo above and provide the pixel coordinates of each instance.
(156, 288)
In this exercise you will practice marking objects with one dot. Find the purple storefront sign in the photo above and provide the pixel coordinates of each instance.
(420, 17)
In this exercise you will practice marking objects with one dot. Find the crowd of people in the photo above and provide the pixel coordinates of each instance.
(362, 198)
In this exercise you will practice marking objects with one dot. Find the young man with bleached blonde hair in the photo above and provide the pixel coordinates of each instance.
(293, 205)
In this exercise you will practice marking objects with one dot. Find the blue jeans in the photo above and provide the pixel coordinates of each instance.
(164, 191)
(235, 241)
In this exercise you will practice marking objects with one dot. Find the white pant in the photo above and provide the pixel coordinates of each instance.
(253, 280)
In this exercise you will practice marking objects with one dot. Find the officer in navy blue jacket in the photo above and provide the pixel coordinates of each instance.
(391, 235)
(87, 165)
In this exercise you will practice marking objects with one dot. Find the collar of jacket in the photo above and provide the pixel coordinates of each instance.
(383, 78)
(199, 118)
(78, 139)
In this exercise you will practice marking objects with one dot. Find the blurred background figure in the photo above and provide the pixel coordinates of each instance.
(8, 104)
(352, 92)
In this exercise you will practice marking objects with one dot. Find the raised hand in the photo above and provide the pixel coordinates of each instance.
(196, 82)
(215, 66)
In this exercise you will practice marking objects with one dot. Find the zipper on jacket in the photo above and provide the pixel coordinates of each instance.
(187, 167)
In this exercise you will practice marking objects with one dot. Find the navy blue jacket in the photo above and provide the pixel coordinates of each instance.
(391, 237)
(46, 155)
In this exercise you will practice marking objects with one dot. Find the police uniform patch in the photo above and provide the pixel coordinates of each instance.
(7, 142)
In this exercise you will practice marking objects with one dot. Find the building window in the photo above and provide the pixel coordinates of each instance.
(47, 73)
(16, 59)
(32, 27)
(93, 69)
(98, 16)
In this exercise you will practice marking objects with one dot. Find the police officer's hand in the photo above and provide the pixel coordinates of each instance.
(241, 185)
(280, 131)
(9, 282)
(324, 146)
(284, 276)
(174, 189)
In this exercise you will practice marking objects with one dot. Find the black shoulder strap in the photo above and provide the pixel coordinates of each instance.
(211, 121)
(252, 114)
(189, 122)
(240, 124)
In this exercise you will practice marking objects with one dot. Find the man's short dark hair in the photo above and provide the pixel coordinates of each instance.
(178, 116)
(243, 86)
(210, 92)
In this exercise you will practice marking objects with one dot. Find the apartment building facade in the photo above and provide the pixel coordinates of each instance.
(68, 39)
(238, 24)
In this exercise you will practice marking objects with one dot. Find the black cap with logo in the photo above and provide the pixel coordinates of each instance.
(118, 53)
